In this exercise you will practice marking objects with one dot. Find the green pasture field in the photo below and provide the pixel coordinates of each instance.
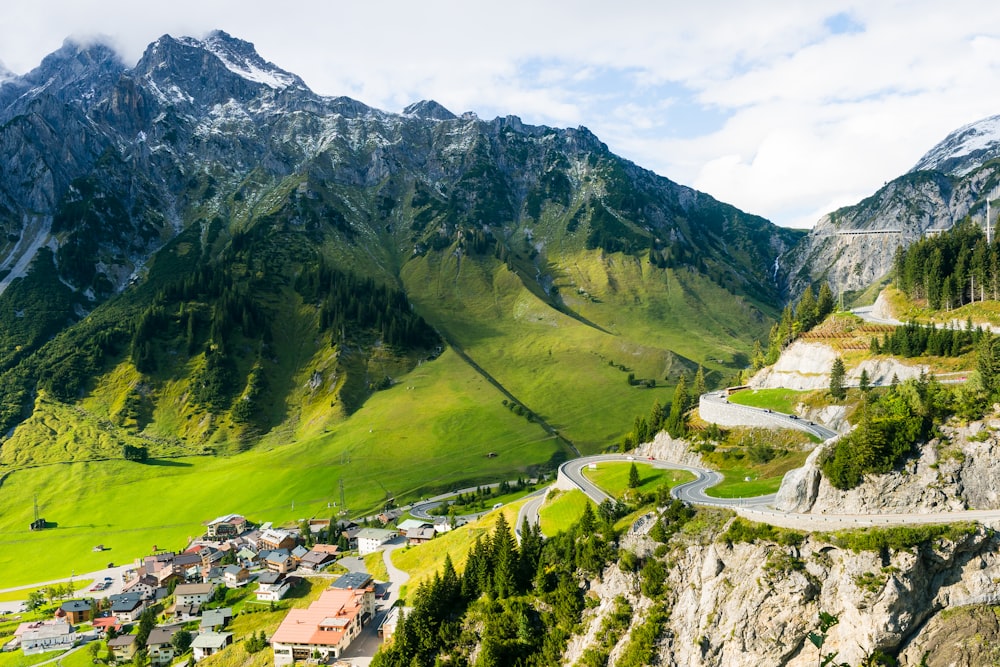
(79, 658)
(236, 656)
(18, 659)
(562, 510)
(422, 561)
(375, 564)
(428, 433)
(566, 364)
(764, 479)
(404, 442)
(779, 400)
(612, 477)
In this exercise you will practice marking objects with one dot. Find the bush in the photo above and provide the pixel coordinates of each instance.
(899, 538)
(750, 532)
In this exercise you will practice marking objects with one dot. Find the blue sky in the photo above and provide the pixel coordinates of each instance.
(784, 109)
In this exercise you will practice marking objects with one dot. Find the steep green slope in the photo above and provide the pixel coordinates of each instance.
(571, 365)
(433, 432)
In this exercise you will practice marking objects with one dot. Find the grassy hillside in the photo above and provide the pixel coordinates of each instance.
(258, 376)
(426, 434)
(570, 362)
(566, 360)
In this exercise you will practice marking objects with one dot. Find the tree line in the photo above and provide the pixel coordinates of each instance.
(917, 340)
(526, 601)
(950, 269)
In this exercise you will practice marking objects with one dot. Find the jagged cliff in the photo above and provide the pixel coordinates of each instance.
(958, 471)
(733, 603)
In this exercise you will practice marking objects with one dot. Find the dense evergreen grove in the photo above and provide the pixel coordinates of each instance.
(518, 604)
(915, 340)
(349, 304)
(951, 269)
(892, 422)
(208, 308)
(810, 310)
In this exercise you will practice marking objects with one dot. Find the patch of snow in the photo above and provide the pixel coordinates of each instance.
(968, 139)
(249, 66)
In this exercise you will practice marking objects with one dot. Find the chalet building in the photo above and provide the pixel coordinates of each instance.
(193, 593)
(327, 626)
(77, 611)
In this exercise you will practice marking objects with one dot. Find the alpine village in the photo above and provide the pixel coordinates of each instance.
(286, 379)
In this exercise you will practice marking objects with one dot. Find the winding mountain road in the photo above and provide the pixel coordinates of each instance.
(780, 419)
(760, 508)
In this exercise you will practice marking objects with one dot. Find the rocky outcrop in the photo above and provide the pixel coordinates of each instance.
(801, 366)
(799, 487)
(750, 604)
(965, 636)
(959, 473)
(666, 448)
(806, 366)
(760, 605)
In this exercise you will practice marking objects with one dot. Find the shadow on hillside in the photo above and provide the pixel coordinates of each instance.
(170, 463)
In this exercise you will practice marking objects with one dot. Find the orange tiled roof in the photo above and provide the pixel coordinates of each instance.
(324, 622)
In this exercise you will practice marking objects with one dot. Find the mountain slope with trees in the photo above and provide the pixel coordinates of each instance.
(223, 262)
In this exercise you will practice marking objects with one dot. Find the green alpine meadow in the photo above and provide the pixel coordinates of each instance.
(281, 302)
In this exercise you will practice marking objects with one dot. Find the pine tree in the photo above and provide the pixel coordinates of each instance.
(806, 313)
(824, 302)
(505, 559)
(656, 417)
(699, 381)
(587, 522)
(837, 375)
(675, 421)
(757, 360)
(988, 365)
(633, 477)
(864, 383)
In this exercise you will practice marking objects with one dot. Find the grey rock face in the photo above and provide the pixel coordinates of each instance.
(905, 209)
(201, 129)
(951, 181)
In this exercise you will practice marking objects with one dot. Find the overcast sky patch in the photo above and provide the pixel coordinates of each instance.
(782, 108)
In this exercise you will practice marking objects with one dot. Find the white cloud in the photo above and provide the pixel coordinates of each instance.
(759, 104)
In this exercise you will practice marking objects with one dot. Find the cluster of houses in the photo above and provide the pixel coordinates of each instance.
(210, 637)
(232, 553)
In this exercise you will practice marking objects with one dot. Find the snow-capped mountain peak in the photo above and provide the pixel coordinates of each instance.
(965, 149)
(241, 58)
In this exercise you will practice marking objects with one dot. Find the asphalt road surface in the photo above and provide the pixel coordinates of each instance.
(780, 419)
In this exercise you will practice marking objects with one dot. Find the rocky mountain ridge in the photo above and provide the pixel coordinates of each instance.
(207, 127)
(853, 247)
